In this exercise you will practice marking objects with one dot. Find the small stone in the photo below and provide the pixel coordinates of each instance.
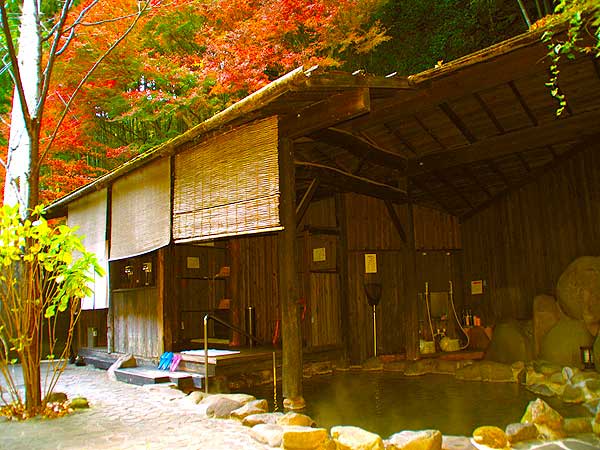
(298, 438)
(457, 443)
(295, 419)
(265, 418)
(490, 436)
(253, 407)
(354, 438)
(123, 362)
(518, 432)
(421, 367)
(591, 388)
(79, 403)
(496, 372)
(268, 434)
(372, 364)
(415, 440)
(534, 377)
(222, 408)
(395, 366)
(57, 397)
(196, 397)
(471, 372)
(577, 425)
(546, 368)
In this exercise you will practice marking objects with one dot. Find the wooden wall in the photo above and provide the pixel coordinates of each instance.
(521, 244)
(137, 322)
(370, 230)
(92, 318)
(136, 314)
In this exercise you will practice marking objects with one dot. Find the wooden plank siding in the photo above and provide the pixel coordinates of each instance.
(138, 322)
(522, 243)
(370, 230)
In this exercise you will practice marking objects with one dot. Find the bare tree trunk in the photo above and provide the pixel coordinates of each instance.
(21, 185)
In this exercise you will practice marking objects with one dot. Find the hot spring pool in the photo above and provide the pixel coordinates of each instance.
(386, 403)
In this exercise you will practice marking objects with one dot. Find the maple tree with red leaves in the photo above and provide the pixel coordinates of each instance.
(184, 61)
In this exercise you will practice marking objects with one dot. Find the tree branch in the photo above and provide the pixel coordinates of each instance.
(52, 57)
(89, 73)
(15, 73)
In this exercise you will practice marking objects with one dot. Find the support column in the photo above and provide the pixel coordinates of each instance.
(410, 277)
(288, 281)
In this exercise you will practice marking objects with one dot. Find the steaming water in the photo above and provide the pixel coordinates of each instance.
(386, 403)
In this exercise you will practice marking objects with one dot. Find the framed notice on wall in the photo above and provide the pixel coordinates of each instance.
(370, 263)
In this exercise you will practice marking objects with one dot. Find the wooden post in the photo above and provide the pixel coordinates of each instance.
(410, 277)
(288, 282)
(342, 263)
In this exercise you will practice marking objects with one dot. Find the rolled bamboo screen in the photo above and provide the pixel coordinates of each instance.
(89, 214)
(141, 211)
(228, 185)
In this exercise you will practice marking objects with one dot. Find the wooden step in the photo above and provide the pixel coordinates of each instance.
(98, 357)
(143, 375)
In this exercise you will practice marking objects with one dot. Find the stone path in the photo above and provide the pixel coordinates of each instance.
(124, 416)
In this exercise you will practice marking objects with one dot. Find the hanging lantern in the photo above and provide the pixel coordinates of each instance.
(587, 357)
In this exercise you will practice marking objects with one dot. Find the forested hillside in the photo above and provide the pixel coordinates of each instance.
(188, 59)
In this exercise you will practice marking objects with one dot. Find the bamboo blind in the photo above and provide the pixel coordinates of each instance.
(141, 211)
(89, 214)
(228, 185)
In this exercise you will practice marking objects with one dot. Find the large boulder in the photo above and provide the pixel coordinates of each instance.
(295, 419)
(561, 344)
(492, 437)
(250, 408)
(299, 438)
(415, 440)
(578, 291)
(354, 438)
(548, 421)
(511, 342)
(261, 419)
(269, 434)
(518, 432)
(546, 314)
(222, 408)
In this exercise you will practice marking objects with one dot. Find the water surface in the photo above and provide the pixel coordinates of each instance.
(386, 403)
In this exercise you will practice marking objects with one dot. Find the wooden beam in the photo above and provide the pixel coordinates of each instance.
(494, 168)
(410, 278)
(396, 221)
(341, 218)
(288, 282)
(523, 103)
(302, 207)
(458, 122)
(513, 59)
(486, 108)
(326, 113)
(343, 80)
(348, 182)
(535, 174)
(361, 147)
(453, 188)
(524, 162)
(567, 129)
(471, 176)
(423, 187)
(429, 132)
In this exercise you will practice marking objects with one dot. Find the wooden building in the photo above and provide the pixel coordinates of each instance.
(460, 173)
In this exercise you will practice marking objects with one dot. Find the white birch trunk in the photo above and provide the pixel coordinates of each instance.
(19, 159)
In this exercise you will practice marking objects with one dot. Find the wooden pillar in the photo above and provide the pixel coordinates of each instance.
(342, 264)
(410, 277)
(235, 251)
(288, 281)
